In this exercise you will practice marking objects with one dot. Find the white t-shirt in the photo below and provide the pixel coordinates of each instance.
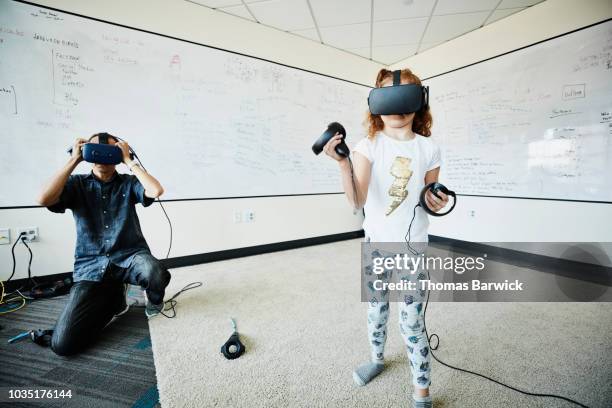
(397, 178)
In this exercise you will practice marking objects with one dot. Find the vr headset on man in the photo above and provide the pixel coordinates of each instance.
(103, 152)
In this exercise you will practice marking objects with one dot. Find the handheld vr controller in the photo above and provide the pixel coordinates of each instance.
(435, 188)
(103, 152)
(341, 148)
(333, 128)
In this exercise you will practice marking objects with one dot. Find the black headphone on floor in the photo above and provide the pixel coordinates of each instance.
(233, 347)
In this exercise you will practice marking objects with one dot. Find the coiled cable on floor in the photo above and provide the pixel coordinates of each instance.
(170, 304)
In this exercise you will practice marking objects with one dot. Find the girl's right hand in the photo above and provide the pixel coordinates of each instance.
(330, 147)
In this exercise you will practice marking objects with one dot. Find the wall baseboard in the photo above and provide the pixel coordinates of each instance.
(197, 259)
(258, 249)
(571, 269)
(582, 271)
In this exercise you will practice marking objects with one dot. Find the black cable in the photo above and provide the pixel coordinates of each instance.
(355, 198)
(30, 279)
(432, 348)
(20, 237)
(160, 204)
(169, 304)
(172, 301)
(13, 255)
(429, 338)
(407, 236)
(169, 225)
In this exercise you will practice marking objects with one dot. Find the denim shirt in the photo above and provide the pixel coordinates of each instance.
(107, 226)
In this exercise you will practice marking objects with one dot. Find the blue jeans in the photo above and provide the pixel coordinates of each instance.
(92, 305)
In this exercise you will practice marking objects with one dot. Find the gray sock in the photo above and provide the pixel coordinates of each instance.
(422, 402)
(366, 372)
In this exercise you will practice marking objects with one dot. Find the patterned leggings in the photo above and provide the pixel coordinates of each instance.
(413, 332)
(411, 320)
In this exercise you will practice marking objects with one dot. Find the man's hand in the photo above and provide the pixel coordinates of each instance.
(125, 150)
(434, 203)
(152, 187)
(77, 153)
(52, 190)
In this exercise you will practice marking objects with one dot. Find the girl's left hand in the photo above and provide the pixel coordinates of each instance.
(434, 203)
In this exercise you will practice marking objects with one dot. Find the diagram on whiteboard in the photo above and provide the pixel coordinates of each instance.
(208, 123)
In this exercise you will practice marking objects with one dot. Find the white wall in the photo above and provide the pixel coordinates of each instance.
(202, 226)
(499, 219)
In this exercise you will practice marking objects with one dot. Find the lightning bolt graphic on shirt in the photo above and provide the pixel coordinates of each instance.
(400, 169)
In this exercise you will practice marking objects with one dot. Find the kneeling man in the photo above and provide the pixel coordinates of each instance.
(111, 250)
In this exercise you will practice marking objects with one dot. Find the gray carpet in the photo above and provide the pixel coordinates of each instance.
(117, 371)
(300, 316)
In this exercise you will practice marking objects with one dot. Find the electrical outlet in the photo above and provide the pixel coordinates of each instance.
(237, 217)
(30, 233)
(472, 213)
(249, 216)
(5, 236)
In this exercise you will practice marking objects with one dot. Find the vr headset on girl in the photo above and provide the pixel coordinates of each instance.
(391, 100)
(398, 99)
(388, 100)
(103, 152)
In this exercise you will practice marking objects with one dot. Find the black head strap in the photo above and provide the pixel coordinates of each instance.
(397, 77)
(425, 98)
(103, 138)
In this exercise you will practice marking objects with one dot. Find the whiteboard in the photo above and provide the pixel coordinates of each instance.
(534, 123)
(206, 122)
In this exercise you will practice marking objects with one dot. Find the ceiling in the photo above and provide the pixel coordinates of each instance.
(385, 31)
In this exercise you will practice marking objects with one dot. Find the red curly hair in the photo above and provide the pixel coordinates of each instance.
(422, 121)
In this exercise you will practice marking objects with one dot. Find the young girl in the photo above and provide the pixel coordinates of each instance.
(391, 167)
